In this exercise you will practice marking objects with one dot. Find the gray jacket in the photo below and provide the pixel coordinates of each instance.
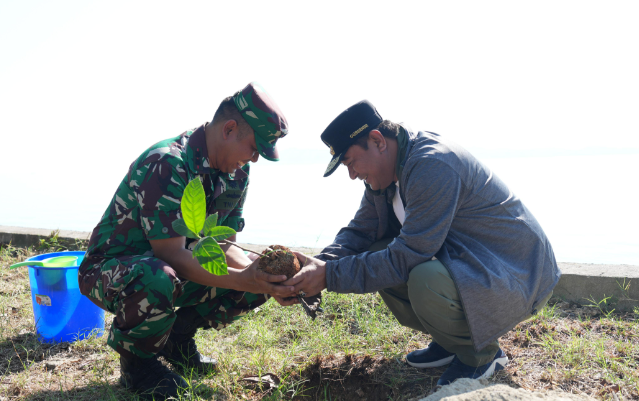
(458, 211)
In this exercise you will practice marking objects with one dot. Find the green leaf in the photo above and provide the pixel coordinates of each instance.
(194, 206)
(210, 223)
(219, 269)
(180, 227)
(221, 233)
(211, 257)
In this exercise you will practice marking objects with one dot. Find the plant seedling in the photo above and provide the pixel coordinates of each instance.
(194, 224)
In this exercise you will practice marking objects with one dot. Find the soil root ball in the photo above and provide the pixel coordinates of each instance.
(279, 260)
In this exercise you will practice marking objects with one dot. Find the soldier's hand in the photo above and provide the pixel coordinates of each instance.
(258, 282)
(252, 256)
(286, 301)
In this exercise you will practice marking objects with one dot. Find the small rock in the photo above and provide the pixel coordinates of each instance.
(52, 365)
(589, 311)
(332, 316)
(353, 327)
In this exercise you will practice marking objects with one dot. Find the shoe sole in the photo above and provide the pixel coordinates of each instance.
(434, 364)
(491, 370)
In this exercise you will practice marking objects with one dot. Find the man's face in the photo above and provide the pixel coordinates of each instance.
(369, 165)
(239, 151)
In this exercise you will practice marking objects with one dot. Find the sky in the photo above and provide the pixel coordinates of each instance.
(544, 93)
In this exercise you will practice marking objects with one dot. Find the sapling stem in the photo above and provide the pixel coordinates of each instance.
(242, 248)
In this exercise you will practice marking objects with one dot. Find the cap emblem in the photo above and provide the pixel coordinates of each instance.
(360, 129)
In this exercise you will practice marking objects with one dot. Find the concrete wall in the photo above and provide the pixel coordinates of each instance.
(24, 237)
(583, 281)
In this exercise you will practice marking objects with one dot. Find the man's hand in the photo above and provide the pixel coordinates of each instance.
(259, 282)
(311, 278)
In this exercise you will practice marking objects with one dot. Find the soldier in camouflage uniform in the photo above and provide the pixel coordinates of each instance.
(138, 268)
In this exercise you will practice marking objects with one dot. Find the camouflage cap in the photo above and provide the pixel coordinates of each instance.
(263, 115)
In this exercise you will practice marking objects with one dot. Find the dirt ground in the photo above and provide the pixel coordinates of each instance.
(350, 377)
(363, 378)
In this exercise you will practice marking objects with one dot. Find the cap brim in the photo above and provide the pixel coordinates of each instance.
(334, 164)
(267, 150)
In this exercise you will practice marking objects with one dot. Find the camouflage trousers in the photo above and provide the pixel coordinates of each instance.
(143, 293)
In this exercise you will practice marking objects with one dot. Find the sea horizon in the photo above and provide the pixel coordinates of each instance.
(583, 203)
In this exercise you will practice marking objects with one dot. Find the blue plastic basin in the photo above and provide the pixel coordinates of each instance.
(61, 313)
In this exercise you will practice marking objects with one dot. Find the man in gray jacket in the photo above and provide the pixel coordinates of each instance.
(451, 250)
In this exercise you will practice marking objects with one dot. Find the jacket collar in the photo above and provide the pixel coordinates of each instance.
(405, 141)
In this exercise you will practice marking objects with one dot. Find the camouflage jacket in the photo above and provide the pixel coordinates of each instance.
(147, 200)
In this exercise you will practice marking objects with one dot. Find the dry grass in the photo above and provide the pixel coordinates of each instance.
(354, 350)
(584, 352)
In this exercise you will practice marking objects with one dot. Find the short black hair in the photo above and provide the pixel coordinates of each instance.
(388, 129)
(228, 111)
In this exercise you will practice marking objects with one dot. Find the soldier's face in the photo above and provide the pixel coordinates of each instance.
(370, 165)
(242, 150)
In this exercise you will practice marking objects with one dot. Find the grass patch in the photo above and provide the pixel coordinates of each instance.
(354, 350)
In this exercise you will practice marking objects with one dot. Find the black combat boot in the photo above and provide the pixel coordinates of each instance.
(180, 349)
(150, 379)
